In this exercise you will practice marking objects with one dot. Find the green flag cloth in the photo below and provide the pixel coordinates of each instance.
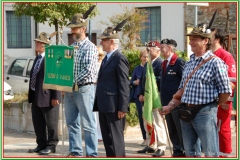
(59, 62)
(151, 96)
(235, 100)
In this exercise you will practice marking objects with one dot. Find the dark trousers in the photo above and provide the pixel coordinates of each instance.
(174, 130)
(139, 109)
(112, 132)
(45, 123)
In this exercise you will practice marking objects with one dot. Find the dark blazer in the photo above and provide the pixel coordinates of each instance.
(168, 86)
(137, 73)
(42, 97)
(170, 82)
(112, 91)
(157, 69)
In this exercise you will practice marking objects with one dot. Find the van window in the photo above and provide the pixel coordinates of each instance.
(18, 67)
(30, 64)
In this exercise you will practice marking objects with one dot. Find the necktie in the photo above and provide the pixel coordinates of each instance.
(165, 66)
(104, 61)
(35, 71)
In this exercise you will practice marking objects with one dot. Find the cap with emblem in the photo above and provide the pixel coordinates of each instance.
(79, 20)
(201, 31)
(112, 33)
(169, 42)
(44, 38)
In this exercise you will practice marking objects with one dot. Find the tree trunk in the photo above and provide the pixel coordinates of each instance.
(56, 29)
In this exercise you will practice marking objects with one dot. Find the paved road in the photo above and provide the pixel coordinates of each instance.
(17, 143)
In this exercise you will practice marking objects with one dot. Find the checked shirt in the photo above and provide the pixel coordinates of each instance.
(207, 82)
(85, 62)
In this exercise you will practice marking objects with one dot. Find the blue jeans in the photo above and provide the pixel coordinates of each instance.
(204, 127)
(79, 111)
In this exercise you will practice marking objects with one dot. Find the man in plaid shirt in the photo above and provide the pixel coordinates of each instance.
(208, 87)
(79, 103)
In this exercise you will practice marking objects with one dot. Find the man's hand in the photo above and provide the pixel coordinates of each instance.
(54, 102)
(141, 98)
(121, 114)
(136, 82)
(165, 110)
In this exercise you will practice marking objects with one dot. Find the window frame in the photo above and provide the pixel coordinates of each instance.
(148, 38)
(19, 33)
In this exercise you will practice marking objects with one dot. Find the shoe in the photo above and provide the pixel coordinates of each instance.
(159, 153)
(35, 150)
(100, 140)
(144, 143)
(47, 151)
(146, 150)
(74, 154)
(178, 154)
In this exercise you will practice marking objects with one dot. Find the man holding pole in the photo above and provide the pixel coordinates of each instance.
(154, 122)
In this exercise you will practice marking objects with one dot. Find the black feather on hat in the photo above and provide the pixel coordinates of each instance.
(87, 13)
(112, 33)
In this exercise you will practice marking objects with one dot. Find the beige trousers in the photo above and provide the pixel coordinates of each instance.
(160, 131)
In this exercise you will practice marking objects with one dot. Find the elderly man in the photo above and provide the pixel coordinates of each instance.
(79, 103)
(171, 74)
(203, 87)
(112, 93)
(45, 103)
(159, 147)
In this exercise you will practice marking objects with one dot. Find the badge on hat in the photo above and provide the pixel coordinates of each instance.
(152, 44)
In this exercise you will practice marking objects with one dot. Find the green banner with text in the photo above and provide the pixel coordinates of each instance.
(59, 63)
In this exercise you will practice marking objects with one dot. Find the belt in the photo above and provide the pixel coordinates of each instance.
(193, 105)
(197, 105)
(89, 83)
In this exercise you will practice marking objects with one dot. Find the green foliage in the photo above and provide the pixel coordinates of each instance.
(51, 11)
(55, 13)
(133, 58)
(183, 55)
(130, 34)
(132, 115)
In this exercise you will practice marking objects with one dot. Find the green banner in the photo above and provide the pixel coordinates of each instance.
(59, 63)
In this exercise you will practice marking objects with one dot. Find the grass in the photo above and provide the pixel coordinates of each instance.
(18, 98)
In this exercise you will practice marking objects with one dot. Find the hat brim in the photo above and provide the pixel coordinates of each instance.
(43, 41)
(72, 25)
(113, 36)
(200, 35)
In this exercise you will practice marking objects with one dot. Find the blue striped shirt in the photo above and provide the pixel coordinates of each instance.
(85, 62)
(207, 82)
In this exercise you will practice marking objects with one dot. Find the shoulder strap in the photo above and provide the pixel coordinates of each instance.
(197, 69)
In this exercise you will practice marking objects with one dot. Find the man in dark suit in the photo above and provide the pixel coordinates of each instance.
(112, 93)
(45, 103)
(159, 147)
(171, 74)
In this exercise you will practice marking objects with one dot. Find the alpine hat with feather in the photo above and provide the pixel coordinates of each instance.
(44, 38)
(79, 20)
(203, 30)
(112, 33)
